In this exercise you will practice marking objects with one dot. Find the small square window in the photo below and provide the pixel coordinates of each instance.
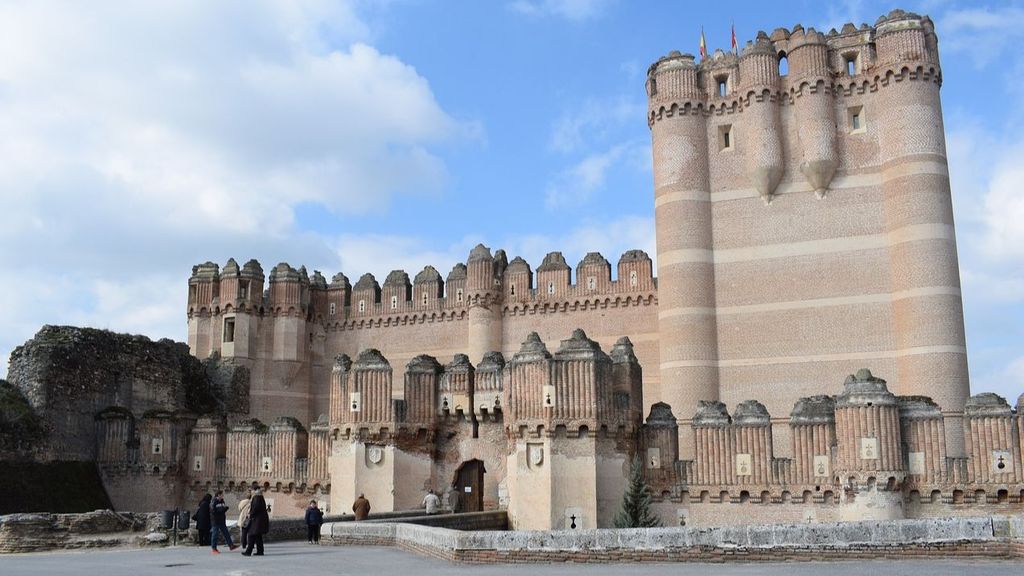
(725, 137)
(856, 120)
(243, 289)
(229, 329)
(722, 85)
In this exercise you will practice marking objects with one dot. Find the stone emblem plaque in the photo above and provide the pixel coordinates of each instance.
(1002, 462)
(548, 398)
(267, 465)
(535, 455)
(197, 463)
(743, 465)
(869, 448)
(821, 466)
(354, 401)
(375, 454)
(915, 462)
(158, 445)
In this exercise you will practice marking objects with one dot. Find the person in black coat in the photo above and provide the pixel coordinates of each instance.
(259, 523)
(219, 520)
(314, 519)
(202, 518)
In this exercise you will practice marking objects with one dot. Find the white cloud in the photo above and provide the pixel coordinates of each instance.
(576, 10)
(595, 120)
(576, 184)
(139, 139)
(983, 34)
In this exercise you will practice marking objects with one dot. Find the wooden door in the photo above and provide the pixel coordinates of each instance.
(470, 484)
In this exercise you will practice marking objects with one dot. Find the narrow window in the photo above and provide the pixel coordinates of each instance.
(721, 86)
(632, 278)
(856, 119)
(229, 329)
(512, 290)
(424, 298)
(332, 308)
(243, 289)
(783, 64)
(851, 64)
(458, 295)
(394, 302)
(362, 305)
(551, 287)
(725, 141)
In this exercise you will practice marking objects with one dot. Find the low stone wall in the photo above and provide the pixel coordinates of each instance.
(99, 529)
(990, 537)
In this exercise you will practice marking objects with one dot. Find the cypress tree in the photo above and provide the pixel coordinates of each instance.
(636, 501)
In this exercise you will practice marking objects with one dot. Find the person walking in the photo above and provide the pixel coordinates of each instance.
(454, 500)
(202, 518)
(314, 519)
(361, 507)
(259, 523)
(219, 521)
(431, 502)
(243, 518)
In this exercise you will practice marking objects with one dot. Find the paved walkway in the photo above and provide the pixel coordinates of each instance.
(300, 559)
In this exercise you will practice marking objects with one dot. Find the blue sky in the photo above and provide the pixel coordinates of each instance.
(139, 140)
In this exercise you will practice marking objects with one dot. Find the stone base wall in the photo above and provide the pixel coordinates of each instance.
(99, 529)
(992, 537)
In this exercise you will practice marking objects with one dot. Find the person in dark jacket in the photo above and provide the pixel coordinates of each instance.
(202, 518)
(314, 519)
(259, 523)
(219, 521)
(361, 507)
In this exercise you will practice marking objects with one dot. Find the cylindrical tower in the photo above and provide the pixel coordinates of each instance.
(813, 424)
(759, 88)
(688, 339)
(483, 291)
(815, 111)
(931, 353)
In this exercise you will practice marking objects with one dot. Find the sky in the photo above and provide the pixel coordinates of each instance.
(140, 139)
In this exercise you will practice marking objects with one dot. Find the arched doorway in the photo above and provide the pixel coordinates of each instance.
(469, 483)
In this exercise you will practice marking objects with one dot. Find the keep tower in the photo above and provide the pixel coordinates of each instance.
(804, 220)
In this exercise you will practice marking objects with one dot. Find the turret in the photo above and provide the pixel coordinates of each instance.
(906, 114)
(688, 347)
(760, 133)
(455, 286)
(241, 295)
(488, 386)
(483, 290)
(422, 379)
(814, 103)
(455, 396)
(870, 462)
(203, 301)
(813, 429)
(635, 271)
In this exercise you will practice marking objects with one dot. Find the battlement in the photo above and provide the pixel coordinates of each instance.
(897, 40)
(482, 277)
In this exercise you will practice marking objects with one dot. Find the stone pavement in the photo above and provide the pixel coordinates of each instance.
(300, 559)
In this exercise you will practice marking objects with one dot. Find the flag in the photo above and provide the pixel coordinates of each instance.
(703, 45)
(735, 49)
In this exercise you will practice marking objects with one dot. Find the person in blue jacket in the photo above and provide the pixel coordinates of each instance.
(219, 521)
(314, 519)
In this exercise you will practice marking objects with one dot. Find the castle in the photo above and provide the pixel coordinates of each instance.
(804, 232)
